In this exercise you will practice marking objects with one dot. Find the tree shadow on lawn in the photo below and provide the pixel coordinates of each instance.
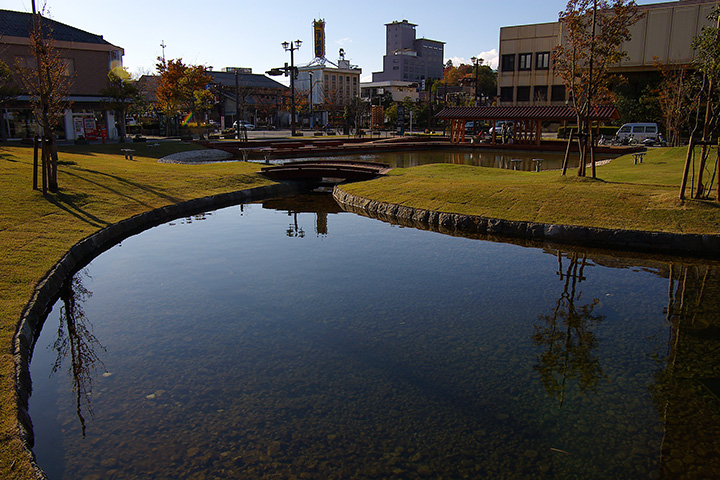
(70, 203)
(136, 185)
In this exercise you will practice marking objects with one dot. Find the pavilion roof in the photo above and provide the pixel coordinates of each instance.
(544, 113)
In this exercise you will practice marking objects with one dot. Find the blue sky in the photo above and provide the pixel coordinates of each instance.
(241, 33)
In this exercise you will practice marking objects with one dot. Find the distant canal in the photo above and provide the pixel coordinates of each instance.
(507, 159)
(292, 340)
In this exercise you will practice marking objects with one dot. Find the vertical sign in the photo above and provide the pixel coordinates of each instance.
(319, 38)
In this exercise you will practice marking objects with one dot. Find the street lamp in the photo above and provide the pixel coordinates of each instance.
(312, 122)
(291, 47)
(476, 61)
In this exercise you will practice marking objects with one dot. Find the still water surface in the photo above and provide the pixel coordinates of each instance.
(291, 340)
(479, 157)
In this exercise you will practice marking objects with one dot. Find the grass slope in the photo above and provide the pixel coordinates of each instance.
(625, 195)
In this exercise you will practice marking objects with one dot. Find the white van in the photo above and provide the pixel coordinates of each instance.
(638, 131)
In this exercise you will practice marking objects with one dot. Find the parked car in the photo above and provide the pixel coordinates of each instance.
(639, 132)
(244, 126)
(509, 126)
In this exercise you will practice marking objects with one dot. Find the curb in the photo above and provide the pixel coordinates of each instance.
(707, 246)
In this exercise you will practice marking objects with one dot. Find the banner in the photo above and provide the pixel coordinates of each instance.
(319, 37)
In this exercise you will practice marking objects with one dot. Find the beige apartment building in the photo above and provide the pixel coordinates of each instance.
(664, 34)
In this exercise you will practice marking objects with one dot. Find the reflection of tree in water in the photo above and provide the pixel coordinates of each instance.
(686, 389)
(76, 341)
(567, 336)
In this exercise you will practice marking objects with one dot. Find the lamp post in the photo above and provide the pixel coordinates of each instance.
(476, 61)
(312, 120)
(291, 47)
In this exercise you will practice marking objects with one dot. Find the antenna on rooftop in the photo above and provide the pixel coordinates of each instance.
(162, 44)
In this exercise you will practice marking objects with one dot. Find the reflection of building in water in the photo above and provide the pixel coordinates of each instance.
(687, 390)
(319, 204)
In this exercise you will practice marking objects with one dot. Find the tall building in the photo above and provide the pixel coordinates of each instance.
(409, 59)
(664, 34)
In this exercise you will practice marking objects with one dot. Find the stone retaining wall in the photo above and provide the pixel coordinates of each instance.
(454, 223)
(48, 288)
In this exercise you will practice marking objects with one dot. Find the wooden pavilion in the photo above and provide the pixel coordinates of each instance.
(527, 120)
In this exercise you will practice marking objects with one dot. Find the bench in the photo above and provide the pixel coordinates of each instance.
(538, 163)
(638, 157)
(128, 152)
(515, 162)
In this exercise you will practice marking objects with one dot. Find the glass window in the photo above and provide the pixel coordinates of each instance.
(638, 129)
(525, 61)
(523, 94)
(506, 94)
(540, 93)
(508, 63)
(542, 61)
(557, 93)
(625, 129)
(651, 129)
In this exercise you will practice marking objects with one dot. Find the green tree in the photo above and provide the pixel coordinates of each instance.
(593, 32)
(121, 93)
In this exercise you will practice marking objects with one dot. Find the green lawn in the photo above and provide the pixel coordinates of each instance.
(625, 195)
(100, 187)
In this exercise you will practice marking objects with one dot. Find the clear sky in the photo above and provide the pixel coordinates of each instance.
(243, 33)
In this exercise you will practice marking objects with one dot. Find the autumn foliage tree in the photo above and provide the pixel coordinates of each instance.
(183, 88)
(592, 34)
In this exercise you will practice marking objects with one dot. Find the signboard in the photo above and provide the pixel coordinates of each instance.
(90, 128)
(319, 38)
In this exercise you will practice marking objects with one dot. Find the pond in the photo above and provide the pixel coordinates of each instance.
(482, 157)
(290, 339)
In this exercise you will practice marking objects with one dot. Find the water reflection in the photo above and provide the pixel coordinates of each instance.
(75, 341)
(482, 157)
(566, 335)
(686, 390)
(381, 352)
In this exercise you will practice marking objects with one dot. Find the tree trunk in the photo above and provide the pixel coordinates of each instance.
(36, 142)
(567, 153)
(686, 171)
(706, 129)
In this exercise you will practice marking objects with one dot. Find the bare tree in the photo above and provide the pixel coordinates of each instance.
(48, 84)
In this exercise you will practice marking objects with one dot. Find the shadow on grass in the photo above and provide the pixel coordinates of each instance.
(7, 158)
(70, 203)
(136, 185)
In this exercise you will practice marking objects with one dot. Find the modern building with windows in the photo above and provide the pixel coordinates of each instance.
(88, 59)
(407, 58)
(664, 34)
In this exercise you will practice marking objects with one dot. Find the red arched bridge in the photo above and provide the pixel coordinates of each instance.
(326, 171)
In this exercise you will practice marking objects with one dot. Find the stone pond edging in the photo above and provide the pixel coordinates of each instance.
(649, 242)
(48, 288)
